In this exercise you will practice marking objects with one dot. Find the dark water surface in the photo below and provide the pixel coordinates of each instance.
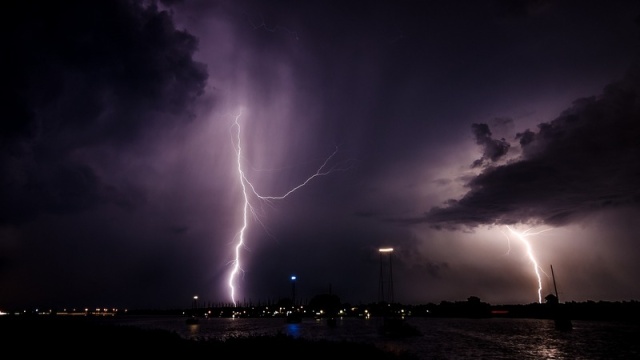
(449, 338)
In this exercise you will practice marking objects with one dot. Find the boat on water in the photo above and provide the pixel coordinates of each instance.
(561, 319)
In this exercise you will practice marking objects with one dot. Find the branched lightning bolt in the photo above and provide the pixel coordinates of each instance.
(522, 236)
(249, 191)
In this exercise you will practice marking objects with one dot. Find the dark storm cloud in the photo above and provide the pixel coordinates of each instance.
(84, 74)
(584, 161)
(493, 149)
(435, 269)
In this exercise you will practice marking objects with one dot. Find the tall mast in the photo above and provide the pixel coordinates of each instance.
(554, 284)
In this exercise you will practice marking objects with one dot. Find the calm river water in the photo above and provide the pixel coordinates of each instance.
(449, 338)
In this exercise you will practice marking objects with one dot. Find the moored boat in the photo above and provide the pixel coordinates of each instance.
(560, 318)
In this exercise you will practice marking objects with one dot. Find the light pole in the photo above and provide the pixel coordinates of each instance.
(381, 296)
(293, 290)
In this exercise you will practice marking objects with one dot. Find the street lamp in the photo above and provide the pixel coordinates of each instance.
(381, 296)
(293, 290)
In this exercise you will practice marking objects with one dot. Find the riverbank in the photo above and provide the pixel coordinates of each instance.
(84, 336)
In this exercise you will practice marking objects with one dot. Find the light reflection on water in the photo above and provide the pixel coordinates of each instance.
(494, 338)
(293, 330)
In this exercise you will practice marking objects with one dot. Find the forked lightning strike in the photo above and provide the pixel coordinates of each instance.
(248, 190)
(522, 236)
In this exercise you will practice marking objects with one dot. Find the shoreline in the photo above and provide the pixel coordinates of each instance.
(84, 336)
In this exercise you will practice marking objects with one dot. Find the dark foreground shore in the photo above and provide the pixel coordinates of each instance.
(82, 337)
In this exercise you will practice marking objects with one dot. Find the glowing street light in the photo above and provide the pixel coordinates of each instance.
(381, 283)
(293, 290)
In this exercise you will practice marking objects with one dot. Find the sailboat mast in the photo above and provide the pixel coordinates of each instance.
(554, 284)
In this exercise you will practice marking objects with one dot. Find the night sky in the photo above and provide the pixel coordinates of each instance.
(439, 124)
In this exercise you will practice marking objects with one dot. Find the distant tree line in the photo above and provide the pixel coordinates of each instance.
(473, 307)
(329, 305)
